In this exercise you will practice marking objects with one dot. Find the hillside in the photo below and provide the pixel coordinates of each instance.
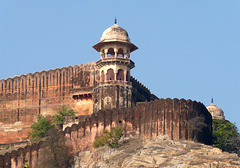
(162, 152)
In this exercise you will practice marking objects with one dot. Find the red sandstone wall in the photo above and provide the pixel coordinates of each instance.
(140, 92)
(21, 98)
(24, 97)
(16, 159)
(150, 119)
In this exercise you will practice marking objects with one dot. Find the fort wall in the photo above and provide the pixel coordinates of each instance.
(149, 119)
(24, 97)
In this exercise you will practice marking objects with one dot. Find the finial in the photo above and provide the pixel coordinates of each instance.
(115, 21)
(212, 100)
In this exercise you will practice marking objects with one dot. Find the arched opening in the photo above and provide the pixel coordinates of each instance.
(127, 76)
(120, 52)
(110, 74)
(110, 53)
(120, 75)
(103, 76)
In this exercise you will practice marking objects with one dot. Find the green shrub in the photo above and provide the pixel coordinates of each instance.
(40, 128)
(109, 138)
(101, 140)
(65, 111)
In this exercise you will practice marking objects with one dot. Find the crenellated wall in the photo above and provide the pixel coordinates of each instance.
(24, 97)
(140, 92)
(16, 158)
(149, 119)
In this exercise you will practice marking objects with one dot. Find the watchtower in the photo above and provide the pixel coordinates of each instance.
(114, 88)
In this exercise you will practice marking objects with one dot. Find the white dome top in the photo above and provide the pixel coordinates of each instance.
(115, 33)
(216, 112)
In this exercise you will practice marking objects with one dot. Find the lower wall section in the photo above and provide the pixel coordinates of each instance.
(150, 119)
(16, 159)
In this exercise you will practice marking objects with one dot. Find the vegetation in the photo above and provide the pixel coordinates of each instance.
(233, 144)
(55, 153)
(40, 128)
(65, 111)
(226, 136)
(196, 125)
(109, 138)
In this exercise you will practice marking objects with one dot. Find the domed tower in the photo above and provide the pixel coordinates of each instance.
(114, 88)
(216, 112)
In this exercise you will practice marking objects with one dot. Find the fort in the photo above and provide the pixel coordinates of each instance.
(103, 93)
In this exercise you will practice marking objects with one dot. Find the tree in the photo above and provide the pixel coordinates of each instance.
(40, 128)
(55, 153)
(233, 144)
(196, 125)
(65, 111)
(224, 134)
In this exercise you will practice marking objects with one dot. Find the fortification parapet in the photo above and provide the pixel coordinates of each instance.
(23, 97)
(158, 117)
(68, 121)
(150, 119)
(132, 79)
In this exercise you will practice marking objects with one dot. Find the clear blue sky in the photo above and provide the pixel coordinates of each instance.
(187, 49)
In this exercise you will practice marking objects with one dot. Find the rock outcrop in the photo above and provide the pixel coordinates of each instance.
(162, 152)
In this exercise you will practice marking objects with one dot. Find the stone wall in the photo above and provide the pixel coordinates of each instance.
(16, 158)
(140, 92)
(150, 119)
(24, 97)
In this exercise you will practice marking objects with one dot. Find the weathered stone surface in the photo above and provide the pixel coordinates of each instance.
(23, 98)
(161, 152)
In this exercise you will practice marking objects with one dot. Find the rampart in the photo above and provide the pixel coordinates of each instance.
(24, 97)
(149, 119)
(42, 92)
(140, 92)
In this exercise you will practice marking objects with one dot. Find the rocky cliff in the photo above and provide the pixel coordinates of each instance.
(161, 152)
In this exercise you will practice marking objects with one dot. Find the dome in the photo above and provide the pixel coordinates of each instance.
(115, 33)
(216, 112)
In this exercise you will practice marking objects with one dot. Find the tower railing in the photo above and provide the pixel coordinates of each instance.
(115, 82)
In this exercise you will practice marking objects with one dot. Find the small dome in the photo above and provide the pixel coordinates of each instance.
(216, 112)
(115, 33)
